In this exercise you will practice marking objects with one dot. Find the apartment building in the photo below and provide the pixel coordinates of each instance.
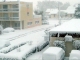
(16, 14)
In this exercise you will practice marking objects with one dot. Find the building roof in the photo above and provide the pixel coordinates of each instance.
(72, 26)
(70, 10)
(52, 11)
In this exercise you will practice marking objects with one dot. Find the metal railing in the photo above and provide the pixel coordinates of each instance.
(9, 18)
(12, 9)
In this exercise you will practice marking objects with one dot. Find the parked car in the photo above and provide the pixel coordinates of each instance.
(74, 55)
(8, 29)
(45, 22)
(53, 53)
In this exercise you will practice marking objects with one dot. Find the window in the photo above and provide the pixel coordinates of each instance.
(28, 13)
(17, 24)
(36, 22)
(15, 15)
(5, 7)
(5, 15)
(29, 23)
(15, 6)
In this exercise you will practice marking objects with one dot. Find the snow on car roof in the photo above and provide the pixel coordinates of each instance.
(53, 50)
(72, 26)
(75, 52)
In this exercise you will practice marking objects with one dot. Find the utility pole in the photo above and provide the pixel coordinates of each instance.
(59, 14)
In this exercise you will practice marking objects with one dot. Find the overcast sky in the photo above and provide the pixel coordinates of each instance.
(72, 2)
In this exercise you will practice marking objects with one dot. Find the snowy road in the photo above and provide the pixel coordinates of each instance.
(32, 34)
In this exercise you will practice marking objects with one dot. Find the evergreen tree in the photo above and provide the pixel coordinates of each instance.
(77, 11)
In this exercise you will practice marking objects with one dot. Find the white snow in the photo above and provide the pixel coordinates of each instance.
(75, 54)
(37, 39)
(72, 26)
(54, 11)
(53, 53)
(68, 38)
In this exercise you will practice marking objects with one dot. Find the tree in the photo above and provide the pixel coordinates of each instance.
(44, 5)
(77, 11)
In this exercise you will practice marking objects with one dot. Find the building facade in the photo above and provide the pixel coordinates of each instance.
(16, 14)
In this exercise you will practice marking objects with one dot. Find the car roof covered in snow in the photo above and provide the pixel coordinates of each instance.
(75, 52)
(53, 50)
(72, 26)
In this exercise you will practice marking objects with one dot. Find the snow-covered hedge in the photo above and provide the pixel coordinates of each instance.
(76, 44)
(58, 43)
(7, 44)
(10, 48)
(42, 45)
(8, 57)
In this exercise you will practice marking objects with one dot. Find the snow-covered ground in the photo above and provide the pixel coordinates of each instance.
(37, 37)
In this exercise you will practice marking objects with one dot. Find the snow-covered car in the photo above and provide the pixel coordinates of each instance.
(45, 22)
(74, 55)
(53, 53)
(9, 29)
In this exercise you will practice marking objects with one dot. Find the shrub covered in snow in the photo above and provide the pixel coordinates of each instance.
(10, 48)
(18, 49)
(76, 44)
(58, 43)
(68, 38)
(46, 37)
(30, 42)
(7, 44)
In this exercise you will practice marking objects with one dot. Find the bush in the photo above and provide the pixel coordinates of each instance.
(76, 44)
(59, 44)
(7, 44)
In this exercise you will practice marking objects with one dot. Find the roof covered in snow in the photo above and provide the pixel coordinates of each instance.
(70, 9)
(52, 11)
(72, 26)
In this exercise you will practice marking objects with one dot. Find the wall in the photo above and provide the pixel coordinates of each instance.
(69, 45)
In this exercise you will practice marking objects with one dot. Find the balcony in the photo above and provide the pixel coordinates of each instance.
(10, 10)
(9, 19)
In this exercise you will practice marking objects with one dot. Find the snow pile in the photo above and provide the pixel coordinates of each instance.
(76, 44)
(68, 38)
(53, 53)
(74, 55)
(58, 43)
